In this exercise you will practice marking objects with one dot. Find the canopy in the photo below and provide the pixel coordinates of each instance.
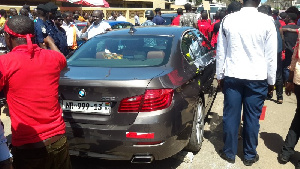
(96, 3)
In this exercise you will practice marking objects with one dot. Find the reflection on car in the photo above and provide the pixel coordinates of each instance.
(138, 94)
(113, 24)
(168, 17)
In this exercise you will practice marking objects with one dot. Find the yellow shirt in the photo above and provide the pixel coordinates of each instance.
(2, 21)
(80, 18)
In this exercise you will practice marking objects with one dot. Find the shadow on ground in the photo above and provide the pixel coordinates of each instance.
(215, 133)
(274, 142)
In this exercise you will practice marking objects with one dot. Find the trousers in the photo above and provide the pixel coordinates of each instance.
(294, 131)
(279, 79)
(55, 155)
(251, 95)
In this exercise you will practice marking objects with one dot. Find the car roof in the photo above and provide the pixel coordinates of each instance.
(152, 30)
(168, 14)
(111, 22)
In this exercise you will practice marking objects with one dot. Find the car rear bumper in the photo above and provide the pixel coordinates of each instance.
(110, 141)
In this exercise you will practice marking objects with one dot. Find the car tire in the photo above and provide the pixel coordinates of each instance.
(196, 138)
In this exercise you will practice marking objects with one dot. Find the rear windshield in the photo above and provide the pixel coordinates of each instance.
(123, 51)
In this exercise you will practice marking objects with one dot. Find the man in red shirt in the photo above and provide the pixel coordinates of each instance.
(30, 79)
(215, 31)
(176, 20)
(211, 29)
(203, 25)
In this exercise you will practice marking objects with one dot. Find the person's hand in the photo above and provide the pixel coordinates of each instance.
(48, 41)
(270, 89)
(289, 88)
(220, 84)
(89, 22)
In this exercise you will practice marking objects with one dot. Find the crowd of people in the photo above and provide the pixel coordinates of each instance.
(262, 39)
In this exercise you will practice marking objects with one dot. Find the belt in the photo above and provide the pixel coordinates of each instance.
(41, 144)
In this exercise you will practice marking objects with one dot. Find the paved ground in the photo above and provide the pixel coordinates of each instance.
(272, 133)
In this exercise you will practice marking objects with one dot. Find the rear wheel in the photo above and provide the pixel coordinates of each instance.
(196, 138)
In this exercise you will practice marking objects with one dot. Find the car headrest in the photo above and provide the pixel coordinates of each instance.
(155, 54)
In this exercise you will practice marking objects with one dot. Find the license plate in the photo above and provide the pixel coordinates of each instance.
(86, 106)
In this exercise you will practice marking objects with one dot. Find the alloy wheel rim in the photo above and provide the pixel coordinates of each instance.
(200, 121)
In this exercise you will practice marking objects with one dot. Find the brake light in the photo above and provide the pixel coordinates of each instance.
(152, 100)
(140, 135)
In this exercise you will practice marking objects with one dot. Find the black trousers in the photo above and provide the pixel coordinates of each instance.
(279, 80)
(294, 132)
(53, 156)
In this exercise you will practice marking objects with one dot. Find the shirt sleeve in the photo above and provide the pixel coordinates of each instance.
(78, 33)
(40, 32)
(221, 53)
(271, 53)
(62, 61)
(195, 21)
(85, 34)
(106, 26)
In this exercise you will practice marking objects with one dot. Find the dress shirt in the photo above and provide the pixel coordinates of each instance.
(121, 18)
(247, 46)
(69, 32)
(94, 30)
(136, 20)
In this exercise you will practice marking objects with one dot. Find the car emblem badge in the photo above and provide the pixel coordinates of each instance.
(81, 93)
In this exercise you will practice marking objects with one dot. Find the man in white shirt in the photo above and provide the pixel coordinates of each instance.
(71, 29)
(136, 19)
(121, 17)
(246, 71)
(96, 27)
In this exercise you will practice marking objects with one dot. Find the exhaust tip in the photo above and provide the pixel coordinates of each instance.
(142, 159)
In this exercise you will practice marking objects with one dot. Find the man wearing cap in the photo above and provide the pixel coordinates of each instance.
(52, 29)
(158, 20)
(30, 79)
(40, 29)
(149, 15)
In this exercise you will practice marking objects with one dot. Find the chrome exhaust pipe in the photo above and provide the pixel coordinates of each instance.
(142, 159)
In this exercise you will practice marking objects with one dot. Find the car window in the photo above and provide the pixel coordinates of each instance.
(121, 25)
(123, 51)
(193, 46)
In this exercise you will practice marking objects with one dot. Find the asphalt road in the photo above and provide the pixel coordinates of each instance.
(272, 133)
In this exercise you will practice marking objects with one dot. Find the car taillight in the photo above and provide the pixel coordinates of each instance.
(153, 99)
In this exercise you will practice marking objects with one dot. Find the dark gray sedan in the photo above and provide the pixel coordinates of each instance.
(138, 94)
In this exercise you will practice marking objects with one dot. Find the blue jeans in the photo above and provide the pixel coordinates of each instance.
(4, 152)
(286, 62)
(251, 95)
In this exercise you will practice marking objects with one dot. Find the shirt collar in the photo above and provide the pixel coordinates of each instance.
(249, 9)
